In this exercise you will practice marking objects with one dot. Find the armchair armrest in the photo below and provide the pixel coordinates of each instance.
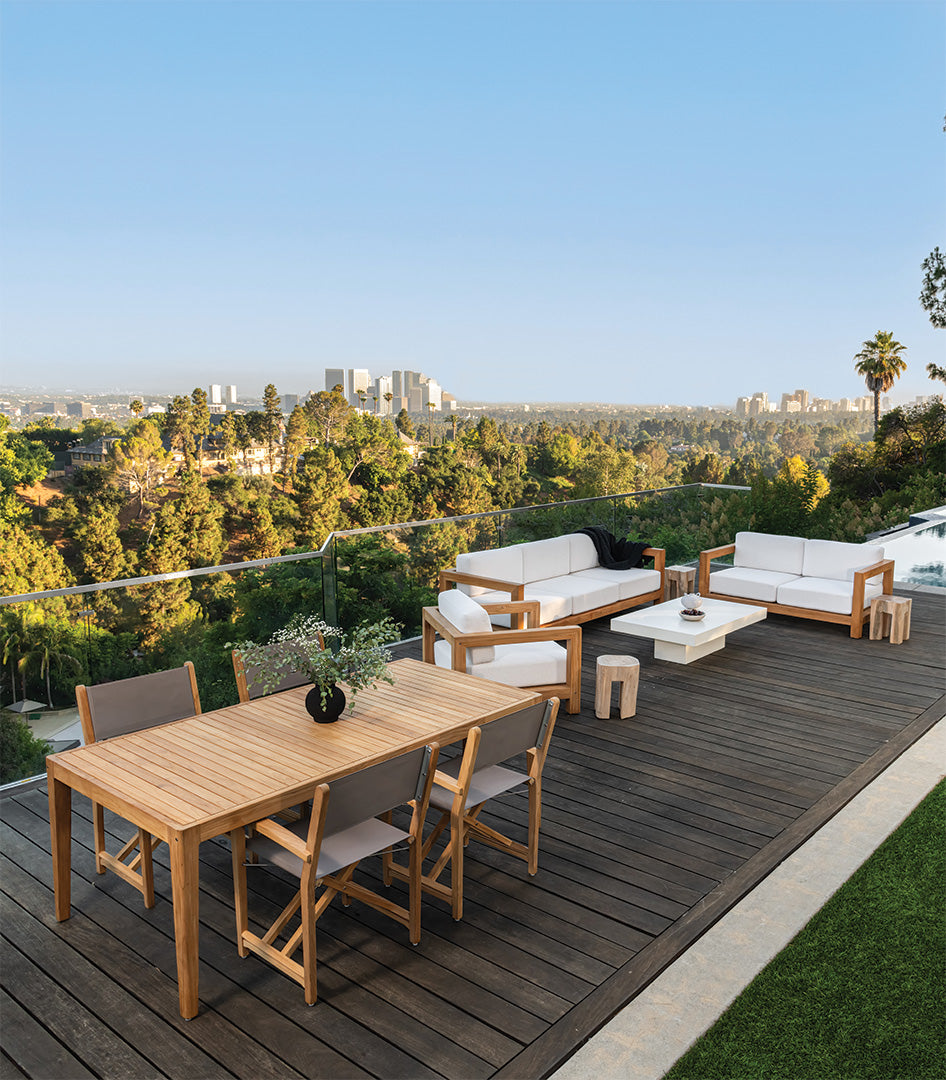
(706, 557)
(280, 835)
(530, 608)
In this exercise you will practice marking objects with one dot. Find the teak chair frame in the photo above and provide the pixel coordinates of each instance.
(304, 903)
(463, 817)
(434, 623)
(246, 687)
(133, 862)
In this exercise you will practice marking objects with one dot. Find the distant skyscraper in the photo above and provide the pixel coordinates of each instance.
(230, 398)
(216, 394)
(759, 403)
(383, 386)
(358, 382)
(397, 383)
(289, 402)
(334, 376)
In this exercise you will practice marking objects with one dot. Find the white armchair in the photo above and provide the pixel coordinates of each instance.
(531, 657)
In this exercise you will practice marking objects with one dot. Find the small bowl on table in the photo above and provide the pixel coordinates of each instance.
(690, 610)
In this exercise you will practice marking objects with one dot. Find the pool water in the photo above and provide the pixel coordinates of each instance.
(920, 554)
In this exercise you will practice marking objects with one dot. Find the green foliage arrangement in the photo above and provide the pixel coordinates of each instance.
(359, 660)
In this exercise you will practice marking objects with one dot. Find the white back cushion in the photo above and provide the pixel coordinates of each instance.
(501, 564)
(469, 618)
(543, 559)
(832, 559)
(764, 551)
(584, 554)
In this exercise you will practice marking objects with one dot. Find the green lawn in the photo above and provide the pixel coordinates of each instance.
(859, 993)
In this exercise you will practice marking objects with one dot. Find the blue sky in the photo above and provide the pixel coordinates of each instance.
(529, 201)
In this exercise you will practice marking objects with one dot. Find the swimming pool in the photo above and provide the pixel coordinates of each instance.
(920, 553)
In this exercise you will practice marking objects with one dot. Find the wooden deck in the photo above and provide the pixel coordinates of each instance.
(652, 828)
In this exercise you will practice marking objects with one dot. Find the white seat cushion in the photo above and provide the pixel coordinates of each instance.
(534, 663)
(767, 551)
(630, 583)
(824, 594)
(464, 613)
(581, 592)
(583, 553)
(832, 559)
(542, 559)
(750, 584)
(501, 564)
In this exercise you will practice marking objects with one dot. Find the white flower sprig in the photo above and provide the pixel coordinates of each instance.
(359, 660)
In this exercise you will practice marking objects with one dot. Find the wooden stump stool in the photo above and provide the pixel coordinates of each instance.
(621, 669)
(679, 580)
(890, 615)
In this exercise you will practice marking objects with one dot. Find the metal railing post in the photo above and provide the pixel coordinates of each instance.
(329, 562)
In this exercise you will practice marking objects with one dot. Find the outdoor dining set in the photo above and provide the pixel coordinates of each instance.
(314, 800)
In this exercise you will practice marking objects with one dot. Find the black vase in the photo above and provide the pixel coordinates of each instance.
(334, 704)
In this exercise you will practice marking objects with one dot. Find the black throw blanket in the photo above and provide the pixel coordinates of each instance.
(613, 553)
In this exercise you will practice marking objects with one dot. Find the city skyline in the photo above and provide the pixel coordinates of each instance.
(630, 202)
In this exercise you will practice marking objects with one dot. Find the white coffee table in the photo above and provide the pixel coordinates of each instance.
(681, 642)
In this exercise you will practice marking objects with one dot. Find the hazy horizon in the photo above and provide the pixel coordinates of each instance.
(568, 201)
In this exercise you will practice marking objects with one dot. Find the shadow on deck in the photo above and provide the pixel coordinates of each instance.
(652, 828)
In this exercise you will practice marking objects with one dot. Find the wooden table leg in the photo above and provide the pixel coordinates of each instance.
(60, 832)
(185, 888)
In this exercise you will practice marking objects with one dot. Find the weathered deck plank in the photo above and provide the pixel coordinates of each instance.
(652, 828)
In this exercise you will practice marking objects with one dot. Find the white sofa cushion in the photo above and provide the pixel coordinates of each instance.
(748, 583)
(542, 559)
(584, 593)
(583, 553)
(630, 583)
(824, 594)
(469, 618)
(832, 559)
(766, 551)
(551, 606)
(531, 663)
(501, 564)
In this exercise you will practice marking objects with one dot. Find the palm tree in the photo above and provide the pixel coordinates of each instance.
(431, 405)
(137, 406)
(881, 364)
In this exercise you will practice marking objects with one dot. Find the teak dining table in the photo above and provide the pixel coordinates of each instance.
(198, 778)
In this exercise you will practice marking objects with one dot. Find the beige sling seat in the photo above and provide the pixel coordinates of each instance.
(350, 820)
(117, 708)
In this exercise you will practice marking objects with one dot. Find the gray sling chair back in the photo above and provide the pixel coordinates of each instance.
(247, 680)
(350, 820)
(118, 708)
(464, 785)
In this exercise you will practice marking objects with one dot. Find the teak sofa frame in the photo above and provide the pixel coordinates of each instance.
(859, 614)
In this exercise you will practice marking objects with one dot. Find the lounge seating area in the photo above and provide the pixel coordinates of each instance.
(562, 574)
(810, 579)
